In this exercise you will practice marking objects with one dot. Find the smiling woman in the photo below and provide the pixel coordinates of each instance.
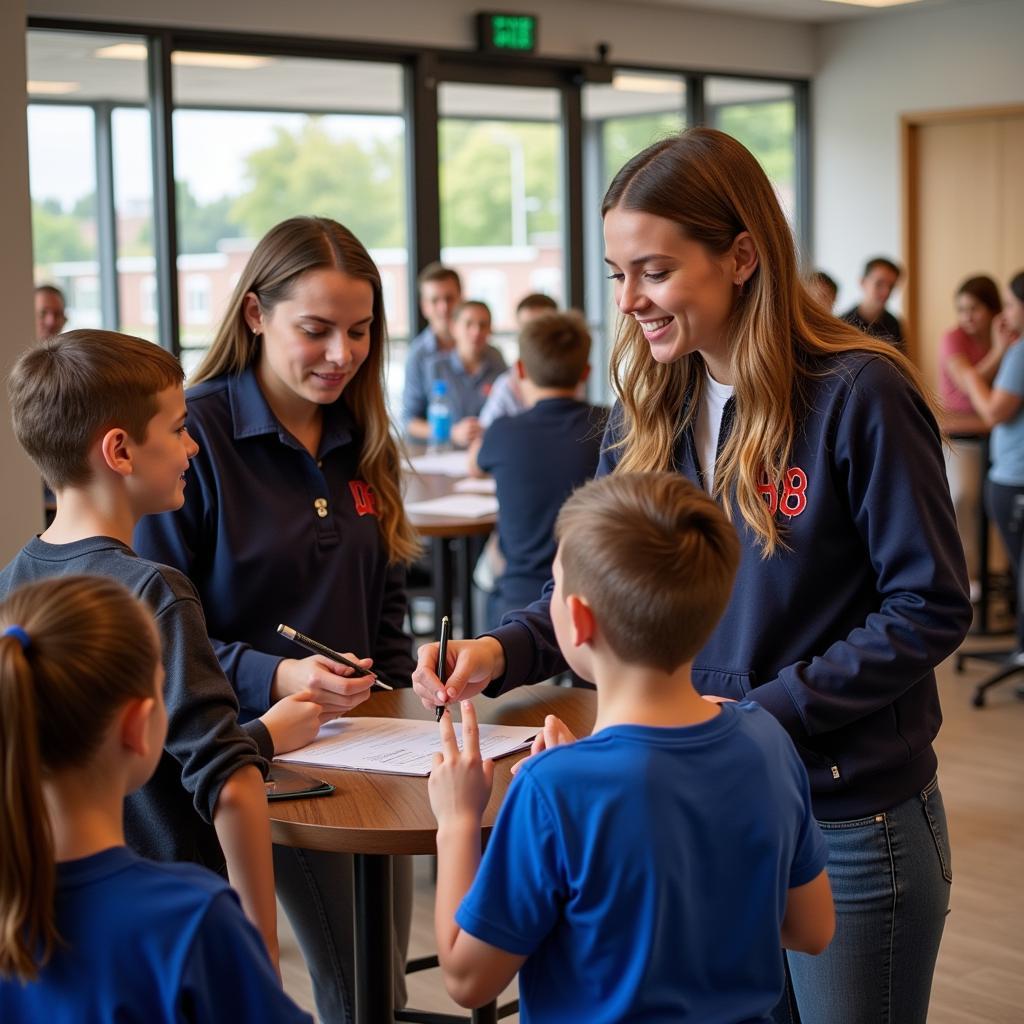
(292, 513)
(826, 456)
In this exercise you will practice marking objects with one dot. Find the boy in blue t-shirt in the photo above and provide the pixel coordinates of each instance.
(540, 456)
(654, 870)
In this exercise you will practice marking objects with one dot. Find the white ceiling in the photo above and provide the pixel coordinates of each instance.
(802, 10)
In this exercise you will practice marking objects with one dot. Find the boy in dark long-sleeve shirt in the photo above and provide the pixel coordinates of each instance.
(103, 416)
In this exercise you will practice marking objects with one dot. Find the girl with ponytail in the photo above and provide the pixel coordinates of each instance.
(88, 929)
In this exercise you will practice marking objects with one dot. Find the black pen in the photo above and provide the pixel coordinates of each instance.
(442, 657)
(318, 648)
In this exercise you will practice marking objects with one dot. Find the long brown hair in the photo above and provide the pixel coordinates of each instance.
(284, 253)
(87, 647)
(713, 188)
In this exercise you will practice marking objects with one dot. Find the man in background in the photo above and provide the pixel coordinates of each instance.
(50, 316)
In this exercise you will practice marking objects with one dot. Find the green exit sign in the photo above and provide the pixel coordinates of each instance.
(507, 33)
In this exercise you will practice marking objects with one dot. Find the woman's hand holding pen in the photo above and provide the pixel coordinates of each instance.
(294, 721)
(472, 664)
(331, 685)
(460, 780)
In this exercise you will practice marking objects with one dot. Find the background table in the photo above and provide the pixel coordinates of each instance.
(375, 816)
(444, 532)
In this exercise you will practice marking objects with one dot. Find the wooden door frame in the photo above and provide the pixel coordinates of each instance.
(910, 126)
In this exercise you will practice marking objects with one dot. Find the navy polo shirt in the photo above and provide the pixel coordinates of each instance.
(270, 534)
(531, 489)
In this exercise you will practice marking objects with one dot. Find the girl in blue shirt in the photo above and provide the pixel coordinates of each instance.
(90, 931)
(293, 514)
(852, 587)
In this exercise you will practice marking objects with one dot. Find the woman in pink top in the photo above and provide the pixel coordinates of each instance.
(978, 339)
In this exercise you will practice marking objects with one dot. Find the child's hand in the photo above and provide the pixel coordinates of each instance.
(554, 734)
(460, 783)
(294, 721)
(330, 684)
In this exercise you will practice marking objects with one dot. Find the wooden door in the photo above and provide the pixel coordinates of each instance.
(963, 213)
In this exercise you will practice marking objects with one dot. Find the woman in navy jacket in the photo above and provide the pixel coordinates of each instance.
(826, 455)
(293, 514)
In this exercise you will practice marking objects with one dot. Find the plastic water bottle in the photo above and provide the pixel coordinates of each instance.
(439, 418)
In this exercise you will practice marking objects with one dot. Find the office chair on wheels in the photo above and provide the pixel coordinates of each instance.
(1010, 662)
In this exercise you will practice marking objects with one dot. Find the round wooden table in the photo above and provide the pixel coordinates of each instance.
(375, 816)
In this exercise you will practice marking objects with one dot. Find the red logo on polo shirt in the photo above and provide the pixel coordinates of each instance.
(793, 499)
(364, 498)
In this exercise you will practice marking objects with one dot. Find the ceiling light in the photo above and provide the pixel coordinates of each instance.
(186, 58)
(52, 88)
(123, 51)
(236, 61)
(646, 83)
(873, 3)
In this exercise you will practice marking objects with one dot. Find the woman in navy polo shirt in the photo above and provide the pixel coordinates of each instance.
(852, 585)
(293, 514)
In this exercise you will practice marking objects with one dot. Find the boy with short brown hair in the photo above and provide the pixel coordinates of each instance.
(655, 869)
(103, 417)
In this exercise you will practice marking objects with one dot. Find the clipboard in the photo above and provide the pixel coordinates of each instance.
(285, 784)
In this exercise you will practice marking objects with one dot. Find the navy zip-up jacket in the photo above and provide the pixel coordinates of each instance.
(838, 633)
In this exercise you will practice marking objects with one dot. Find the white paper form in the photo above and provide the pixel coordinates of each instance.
(442, 463)
(400, 746)
(456, 506)
(476, 485)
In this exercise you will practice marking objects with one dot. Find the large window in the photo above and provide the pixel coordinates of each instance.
(259, 139)
(322, 128)
(90, 178)
(762, 115)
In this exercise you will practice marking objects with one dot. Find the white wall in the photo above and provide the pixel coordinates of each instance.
(872, 71)
(22, 498)
(637, 33)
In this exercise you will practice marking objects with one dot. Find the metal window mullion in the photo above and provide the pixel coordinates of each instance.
(693, 110)
(161, 106)
(106, 216)
(572, 192)
(423, 179)
(804, 181)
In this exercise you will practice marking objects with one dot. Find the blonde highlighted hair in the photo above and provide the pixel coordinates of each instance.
(88, 648)
(283, 255)
(713, 188)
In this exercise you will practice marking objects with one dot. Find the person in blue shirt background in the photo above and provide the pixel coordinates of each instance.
(293, 514)
(440, 291)
(469, 370)
(821, 446)
(89, 930)
(654, 870)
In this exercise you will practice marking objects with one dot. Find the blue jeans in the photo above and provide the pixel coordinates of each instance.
(890, 875)
(317, 891)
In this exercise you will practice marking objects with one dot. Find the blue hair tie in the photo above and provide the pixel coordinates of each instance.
(20, 635)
